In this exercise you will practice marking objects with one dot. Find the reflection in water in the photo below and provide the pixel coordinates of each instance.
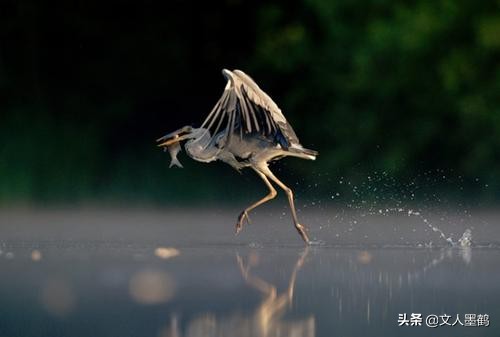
(269, 291)
(364, 257)
(58, 297)
(36, 255)
(465, 253)
(266, 320)
(361, 288)
(370, 287)
(268, 317)
(151, 287)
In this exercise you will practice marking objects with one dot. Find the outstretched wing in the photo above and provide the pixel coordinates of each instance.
(244, 108)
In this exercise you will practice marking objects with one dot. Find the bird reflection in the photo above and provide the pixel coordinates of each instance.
(266, 320)
(268, 317)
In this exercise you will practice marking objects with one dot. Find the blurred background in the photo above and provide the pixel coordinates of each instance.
(394, 95)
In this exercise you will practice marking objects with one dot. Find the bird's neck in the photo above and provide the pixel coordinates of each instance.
(202, 149)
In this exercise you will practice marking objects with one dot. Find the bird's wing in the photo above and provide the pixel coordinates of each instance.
(245, 108)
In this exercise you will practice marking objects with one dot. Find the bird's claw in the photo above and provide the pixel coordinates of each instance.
(241, 218)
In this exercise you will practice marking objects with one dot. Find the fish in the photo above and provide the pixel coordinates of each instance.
(173, 150)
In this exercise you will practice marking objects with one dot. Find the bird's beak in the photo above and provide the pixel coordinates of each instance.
(175, 137)
(174, 140)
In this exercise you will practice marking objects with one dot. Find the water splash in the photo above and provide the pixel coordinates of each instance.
(434, 228)
(466, 239)
(370, 195)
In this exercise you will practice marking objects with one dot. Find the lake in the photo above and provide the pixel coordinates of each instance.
(182, 272)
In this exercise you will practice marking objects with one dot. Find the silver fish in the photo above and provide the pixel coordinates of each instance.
(173, 150)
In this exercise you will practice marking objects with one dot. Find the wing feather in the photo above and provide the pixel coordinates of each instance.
(268, 107)
(245, 108)
(247, 112)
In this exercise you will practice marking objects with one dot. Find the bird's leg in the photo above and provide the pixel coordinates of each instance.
(298, 266)
(300, 228)
(244, 215)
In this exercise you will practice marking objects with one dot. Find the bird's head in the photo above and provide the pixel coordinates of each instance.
(185, 133)
(199, 146)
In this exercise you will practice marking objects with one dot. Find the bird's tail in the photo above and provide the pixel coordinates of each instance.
(299, 151)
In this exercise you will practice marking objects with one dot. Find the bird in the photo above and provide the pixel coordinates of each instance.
(245, 129)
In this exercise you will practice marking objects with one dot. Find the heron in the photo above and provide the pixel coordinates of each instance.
(245, 129)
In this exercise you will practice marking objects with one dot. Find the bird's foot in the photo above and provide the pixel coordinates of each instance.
(241, 218)
(303, 232)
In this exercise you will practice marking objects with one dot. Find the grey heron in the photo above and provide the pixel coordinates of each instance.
(244, 129)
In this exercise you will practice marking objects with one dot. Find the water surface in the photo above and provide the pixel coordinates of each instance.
(180, 273)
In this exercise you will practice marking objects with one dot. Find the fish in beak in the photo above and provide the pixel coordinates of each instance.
(172, 143)
(173, 150)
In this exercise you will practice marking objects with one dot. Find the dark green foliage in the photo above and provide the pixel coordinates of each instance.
(403, 88)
